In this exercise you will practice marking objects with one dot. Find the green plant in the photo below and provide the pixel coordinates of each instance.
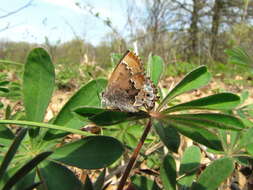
(8, 89)
(204, 127)
(193, 119)
(239, 56)
(92, 152)
(19, 174)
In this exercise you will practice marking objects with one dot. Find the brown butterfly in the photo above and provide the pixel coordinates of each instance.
(128, 88)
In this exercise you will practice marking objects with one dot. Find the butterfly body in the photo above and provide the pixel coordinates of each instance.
(128, 88)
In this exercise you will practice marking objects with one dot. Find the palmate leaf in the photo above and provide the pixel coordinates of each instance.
(239, 56)
(25, 169)
(11, 152)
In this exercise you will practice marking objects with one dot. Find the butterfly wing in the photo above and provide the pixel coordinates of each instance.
(120, 91)
(128, 88)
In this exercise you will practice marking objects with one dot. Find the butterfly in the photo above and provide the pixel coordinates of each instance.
(128, 88)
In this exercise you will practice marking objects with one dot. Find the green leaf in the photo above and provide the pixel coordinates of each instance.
(189, 165)
(11, 152)
(23, 183)
(26, 182)
(57, 176)
(222, 101)
(208, 120)
(38, 84)
(4, 83)
(239, 56)
(92, 152)
(168, 173)
(85, 112)
(4, 90)
(25, 169)
(33, 186)
(6, 136)
(104, 117)
(8, 112)
(246, 138)
(168, 135)
(98, 185)
(217, 172)
(195, 79)
(198, 134)
(143, 183)
(155, 68)
(88, 95)
(249, 148)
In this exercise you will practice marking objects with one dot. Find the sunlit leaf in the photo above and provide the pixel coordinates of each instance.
(222, 101)
(216, 173)
(195, 79)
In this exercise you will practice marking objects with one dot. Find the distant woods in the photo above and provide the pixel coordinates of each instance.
(177, 30)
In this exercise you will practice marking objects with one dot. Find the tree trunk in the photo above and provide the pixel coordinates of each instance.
(216, 20)
(194, 27)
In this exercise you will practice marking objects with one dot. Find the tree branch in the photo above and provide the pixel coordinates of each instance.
(17, 10)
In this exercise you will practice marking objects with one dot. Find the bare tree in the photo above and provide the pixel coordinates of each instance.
(216, 20)
(29, 3)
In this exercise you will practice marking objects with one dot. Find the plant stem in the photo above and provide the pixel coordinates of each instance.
(44, 125)
(134, 156)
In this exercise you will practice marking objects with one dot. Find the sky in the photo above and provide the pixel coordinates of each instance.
(60, 20)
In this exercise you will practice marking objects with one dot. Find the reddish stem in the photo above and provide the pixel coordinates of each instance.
(134, 156)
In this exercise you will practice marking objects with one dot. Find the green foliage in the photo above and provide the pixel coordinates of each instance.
(9, 89)
(155, 68)
(239, 56)
(37, 95)
(37, 91)
(70, 154)
(143, 183)
(208, 121)
(204, 128)
(195, 79)
(168, 135)
(189, 164)
(18, 176)
(222, 168)
(168, 173)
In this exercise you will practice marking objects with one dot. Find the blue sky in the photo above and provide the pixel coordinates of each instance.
(57, 19)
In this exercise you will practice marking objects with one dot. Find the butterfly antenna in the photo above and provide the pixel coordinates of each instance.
(97, 85)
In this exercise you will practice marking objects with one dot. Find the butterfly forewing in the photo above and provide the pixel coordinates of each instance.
(128, 88)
